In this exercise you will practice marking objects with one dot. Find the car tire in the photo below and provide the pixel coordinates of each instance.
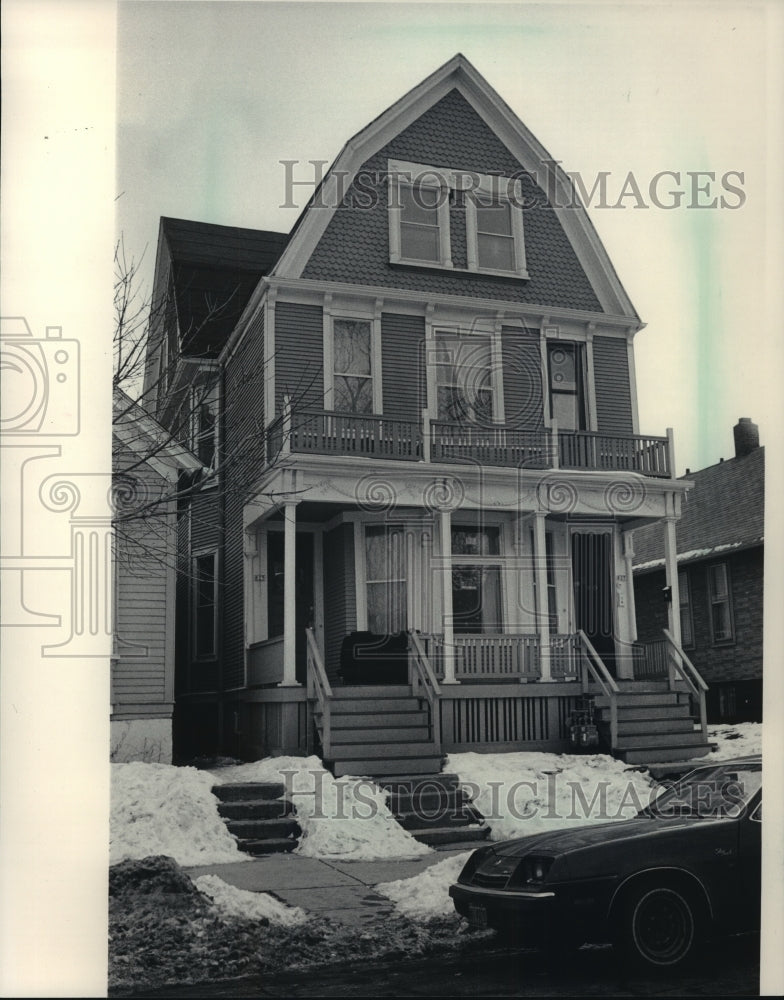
(659, 927)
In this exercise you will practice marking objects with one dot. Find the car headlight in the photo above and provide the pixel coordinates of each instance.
(532, 870)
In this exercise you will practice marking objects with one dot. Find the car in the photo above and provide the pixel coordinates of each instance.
(656, 885)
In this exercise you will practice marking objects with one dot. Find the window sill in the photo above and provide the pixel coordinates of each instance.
(449, 269)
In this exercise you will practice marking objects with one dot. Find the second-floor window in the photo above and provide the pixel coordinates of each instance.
(464, 378)
(567, 402)
(720, 603)
(204, 422)
(352, 373)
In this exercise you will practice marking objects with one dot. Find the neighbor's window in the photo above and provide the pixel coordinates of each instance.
(720, 605)
(353, 376)
(464, 378)
(204, 604)
(687, 627)
(204, 423)
(497, 243)
(420, 227)
(385, 578)
(566, 385)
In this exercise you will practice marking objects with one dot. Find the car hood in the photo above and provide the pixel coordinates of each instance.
(558, 842)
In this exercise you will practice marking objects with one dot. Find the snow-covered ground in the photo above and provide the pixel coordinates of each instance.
(427, 895)
(235, 902)
(737, 740)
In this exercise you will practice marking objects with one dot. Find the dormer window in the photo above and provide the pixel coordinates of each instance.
(419, 219)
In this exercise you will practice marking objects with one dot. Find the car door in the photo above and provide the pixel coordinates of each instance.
(750, 857)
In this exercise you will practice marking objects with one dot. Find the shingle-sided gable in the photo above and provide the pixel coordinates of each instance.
(355, 246)
(724, 510)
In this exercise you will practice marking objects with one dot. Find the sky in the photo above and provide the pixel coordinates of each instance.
(212, 96)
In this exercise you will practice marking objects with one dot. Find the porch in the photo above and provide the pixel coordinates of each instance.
(322, 432)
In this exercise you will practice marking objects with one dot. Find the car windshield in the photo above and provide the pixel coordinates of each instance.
(720, 791)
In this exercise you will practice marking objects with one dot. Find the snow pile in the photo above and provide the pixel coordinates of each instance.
(233, 902)
(740, 740)
(345, 818)
(522, 793)
(161, 809)
(427, 895)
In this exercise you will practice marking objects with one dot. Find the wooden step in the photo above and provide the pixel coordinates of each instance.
(631, 713)
(259, 809)
(246, 790)
(643, 687)
(377, 751)
(638, 727)
(382, 733)
(647, 740)
(378, 692)
(371, 706)
(349, 720)
(643, 698)
(379, 767)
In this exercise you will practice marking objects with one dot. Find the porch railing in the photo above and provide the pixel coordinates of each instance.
(593, 664)
(324, 432)
(681, 668)
(565, 656)
(506, 446)
(319, 690)
(424, 682)
(614, 453)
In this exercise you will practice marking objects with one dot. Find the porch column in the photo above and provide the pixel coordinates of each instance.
(289, 594)
(628, 558)
(671, 576)
(445, 520)
(540, 573)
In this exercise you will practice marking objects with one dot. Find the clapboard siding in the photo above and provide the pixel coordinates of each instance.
(403, 366)
(299, 355)
(340, 599)
(612, 386)
(243, 460)
(143, 552)
(205, 521)
(522, 371)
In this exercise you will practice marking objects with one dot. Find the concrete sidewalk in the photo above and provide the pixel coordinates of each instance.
(342, 890)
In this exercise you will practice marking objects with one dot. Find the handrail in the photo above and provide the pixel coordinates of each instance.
(695, 683)
(319, 689)
(605, 681)
(427, 680)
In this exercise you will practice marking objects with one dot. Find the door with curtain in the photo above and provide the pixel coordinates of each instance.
(593, 591)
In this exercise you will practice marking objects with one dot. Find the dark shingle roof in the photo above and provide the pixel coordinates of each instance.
(215, 269)
(724, 510)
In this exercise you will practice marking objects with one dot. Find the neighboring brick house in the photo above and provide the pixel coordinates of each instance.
(720, 571)
(421, 417)
(147, 464)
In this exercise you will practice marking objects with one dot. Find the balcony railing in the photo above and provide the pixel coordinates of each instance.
(323, 432)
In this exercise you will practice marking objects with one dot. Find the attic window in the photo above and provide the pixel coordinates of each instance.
(419, 219)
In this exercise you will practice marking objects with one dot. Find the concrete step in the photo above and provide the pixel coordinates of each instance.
(263, 829)
(379, 767)
(247, 790)
(272, 845)
(400, 783)
(463, 815)
(660, 755)
(638, 727)
(450, 834)
(259, 809)
(648, 740)
(380, 734)
(370, 706)
(349, 720)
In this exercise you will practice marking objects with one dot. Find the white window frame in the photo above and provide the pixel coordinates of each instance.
(331, 314)
(403, 173)
(489, 561)
(361, 571)
(501, 189)
(196, 654)
(714, 598)
(462, 334)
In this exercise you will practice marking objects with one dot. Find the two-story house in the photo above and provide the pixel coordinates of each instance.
(420, 411)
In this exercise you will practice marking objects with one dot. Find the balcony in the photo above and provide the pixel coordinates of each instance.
(321, 432)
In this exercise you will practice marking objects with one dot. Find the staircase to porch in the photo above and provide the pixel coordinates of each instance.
(377, 730)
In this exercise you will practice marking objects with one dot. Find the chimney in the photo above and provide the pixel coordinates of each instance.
(746, 437)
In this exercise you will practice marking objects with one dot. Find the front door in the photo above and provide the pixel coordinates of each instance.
(276, 570)
(593, 593)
